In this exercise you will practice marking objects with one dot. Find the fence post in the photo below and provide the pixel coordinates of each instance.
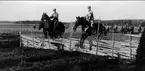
(70, 43)
(33, 36)
(130, 39)
(71, 32)
(21, 46)
(20, 38)
(7, 35)
(97, 49)
(113, 44)
(62, 43)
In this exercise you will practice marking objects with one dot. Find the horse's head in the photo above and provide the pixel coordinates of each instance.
(79, 21)
(45, 17)
(45, 20)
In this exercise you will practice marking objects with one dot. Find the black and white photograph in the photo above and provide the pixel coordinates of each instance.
(72, 35)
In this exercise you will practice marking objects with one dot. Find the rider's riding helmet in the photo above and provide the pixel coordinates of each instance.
(54, 9)
(89, 7)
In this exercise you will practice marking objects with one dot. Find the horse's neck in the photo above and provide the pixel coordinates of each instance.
(85, 23)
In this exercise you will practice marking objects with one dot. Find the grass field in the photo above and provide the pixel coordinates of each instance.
(27, 29)
(52, 60)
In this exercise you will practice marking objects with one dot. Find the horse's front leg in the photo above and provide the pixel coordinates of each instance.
(83, 29)
(45, 33)
(81, 40)
(84, 36)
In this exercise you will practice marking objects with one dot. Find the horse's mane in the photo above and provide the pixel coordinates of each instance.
(46, 16)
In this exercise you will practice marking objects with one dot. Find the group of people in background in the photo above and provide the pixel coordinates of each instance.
(124, 29)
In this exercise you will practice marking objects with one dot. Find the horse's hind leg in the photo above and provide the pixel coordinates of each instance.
(84, 36)
(81, 45)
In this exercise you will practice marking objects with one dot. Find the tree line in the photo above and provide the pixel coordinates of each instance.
(122, 22)
(28, 22)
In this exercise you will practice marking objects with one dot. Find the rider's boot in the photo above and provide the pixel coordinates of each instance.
(55, 24)
(93, 28)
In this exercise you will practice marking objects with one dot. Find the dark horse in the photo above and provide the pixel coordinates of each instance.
(48, 27)
(81, 21)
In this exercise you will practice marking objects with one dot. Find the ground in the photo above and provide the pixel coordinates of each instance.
(46, 59)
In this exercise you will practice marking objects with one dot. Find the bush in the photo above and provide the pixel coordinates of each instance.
(140, 57)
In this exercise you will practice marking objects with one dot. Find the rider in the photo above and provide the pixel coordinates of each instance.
(90, 17)
(54, 17)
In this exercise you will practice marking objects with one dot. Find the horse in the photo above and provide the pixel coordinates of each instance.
(88, 32)
(48, 27)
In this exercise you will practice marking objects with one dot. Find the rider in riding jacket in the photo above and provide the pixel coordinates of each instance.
(90, 17)
(54, 17)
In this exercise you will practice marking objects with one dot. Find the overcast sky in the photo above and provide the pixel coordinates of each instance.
(68, 10)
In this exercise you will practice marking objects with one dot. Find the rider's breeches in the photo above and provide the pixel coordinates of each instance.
(55, 20)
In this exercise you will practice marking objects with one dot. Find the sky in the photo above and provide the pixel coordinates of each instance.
(69, 10)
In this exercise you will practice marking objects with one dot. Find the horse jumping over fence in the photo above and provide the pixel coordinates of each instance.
(48, 27)
(81, 21)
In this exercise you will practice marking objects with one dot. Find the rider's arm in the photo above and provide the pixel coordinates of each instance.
(92, 15)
